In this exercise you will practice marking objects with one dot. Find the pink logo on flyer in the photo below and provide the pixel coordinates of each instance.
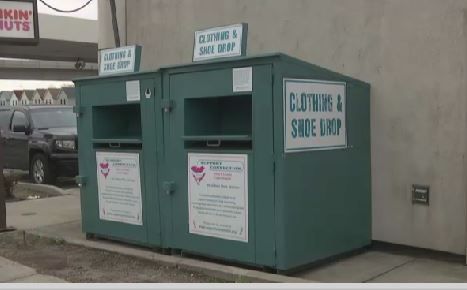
(104, 166)
(198, 173)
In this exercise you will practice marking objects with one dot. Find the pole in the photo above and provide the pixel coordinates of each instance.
(113, 10)
(2, 190)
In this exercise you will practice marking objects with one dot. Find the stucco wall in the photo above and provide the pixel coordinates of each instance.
(413, 53)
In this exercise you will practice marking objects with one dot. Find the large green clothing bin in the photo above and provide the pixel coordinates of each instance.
(303, 204)
(260, 160)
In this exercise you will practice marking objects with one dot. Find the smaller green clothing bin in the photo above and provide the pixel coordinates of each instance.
(117, 147)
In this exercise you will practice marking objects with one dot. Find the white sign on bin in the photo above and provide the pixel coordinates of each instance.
(217, 42)
(119, 60)
(119, 187)
(218, 195)
(314, 115)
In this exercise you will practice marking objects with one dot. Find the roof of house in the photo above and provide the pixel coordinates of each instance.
(29, 94)
(6, 94)
(54, 92)
(18, 93)
(69, 91)
(41, 92)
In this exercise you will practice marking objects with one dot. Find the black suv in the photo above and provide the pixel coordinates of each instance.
(41, 139)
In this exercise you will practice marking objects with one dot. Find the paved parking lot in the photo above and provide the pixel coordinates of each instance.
(60, 217)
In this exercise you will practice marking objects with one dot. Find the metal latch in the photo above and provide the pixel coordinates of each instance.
(81, 180)
(167, 105)
(168, 187)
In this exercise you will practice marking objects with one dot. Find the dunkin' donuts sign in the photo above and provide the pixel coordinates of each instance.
(18, 21)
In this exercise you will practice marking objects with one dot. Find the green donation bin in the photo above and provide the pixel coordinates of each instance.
(118, 156)
(261, 160)
(266, 161)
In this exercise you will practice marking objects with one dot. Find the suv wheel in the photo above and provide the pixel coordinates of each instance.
(40, 170)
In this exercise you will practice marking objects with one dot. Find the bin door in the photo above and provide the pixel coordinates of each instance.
(218, 171)
(117, 146)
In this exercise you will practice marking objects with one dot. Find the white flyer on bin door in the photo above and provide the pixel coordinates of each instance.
(218, 195)
(314, 115)
(119, 187)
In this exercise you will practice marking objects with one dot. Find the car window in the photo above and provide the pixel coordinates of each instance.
(19, 118)
(4, 119)
(53, 118)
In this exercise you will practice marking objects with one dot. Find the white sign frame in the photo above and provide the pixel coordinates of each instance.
(104, 171)
(289, 147)
(218, 184)
(240, 41)
(31, 37)
(134, 60)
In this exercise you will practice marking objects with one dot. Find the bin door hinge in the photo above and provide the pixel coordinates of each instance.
(167, 105)
(273, 164)
(78, 111)
(168, 187)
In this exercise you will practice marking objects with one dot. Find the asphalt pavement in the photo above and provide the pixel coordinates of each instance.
(59, 217)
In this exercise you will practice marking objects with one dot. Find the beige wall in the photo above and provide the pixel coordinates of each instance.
(413, 53)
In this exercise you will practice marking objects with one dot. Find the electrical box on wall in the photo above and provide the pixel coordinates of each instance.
(420, 194)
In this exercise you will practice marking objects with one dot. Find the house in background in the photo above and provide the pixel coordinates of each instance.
(15, 97)
(26, 97)
(47, 98)
(51, 96)
(5, 97)
(38, 97)
(55, 95)
(66, 96)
